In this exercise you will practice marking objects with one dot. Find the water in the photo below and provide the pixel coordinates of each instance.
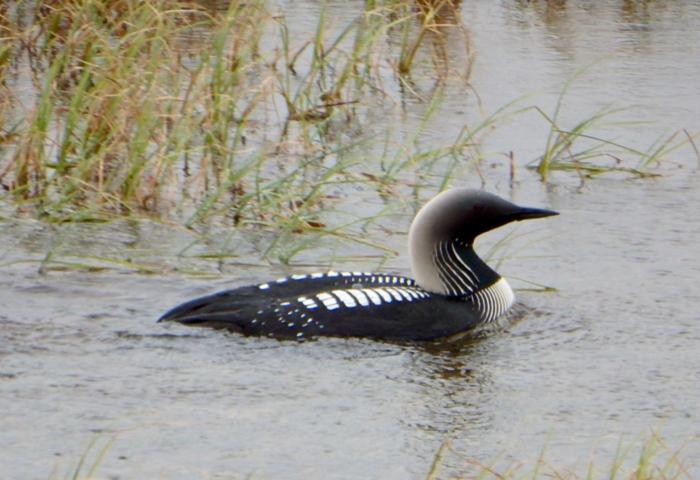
(610, 356)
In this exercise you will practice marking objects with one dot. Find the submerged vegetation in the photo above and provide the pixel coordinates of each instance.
(192, 115)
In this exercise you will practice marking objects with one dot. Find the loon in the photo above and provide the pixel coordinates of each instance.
(453, 290)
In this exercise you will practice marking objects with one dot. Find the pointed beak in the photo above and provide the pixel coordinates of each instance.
(526, 213)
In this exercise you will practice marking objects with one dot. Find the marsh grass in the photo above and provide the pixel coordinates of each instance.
(651, 459)
(654, 460)
(130, 117)
(578, 149)
(192, 117)
(170, 110)
(89, 462)
(433, 19)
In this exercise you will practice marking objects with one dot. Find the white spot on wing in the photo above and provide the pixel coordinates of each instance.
(397, 296)
(412, 293)
(383, 293)
(405, 294)
(361, 297)
(328, 300)
(372, 295)
(345, 297)
(264, 286)
(308, 302)
(420, 293)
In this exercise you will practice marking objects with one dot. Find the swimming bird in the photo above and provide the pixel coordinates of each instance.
(452, 291)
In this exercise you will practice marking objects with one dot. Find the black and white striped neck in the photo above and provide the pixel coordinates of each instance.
(459, 268)
(466, 276)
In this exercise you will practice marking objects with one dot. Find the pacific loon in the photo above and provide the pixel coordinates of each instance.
(452, 292)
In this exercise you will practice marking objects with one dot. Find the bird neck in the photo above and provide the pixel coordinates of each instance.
(453, 269)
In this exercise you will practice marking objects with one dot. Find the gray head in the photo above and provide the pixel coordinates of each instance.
(456, 217)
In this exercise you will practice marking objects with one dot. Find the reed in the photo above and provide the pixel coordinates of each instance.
(172, 111)
(654, 461)
(89, 462)
(578, 149)
(129, 119)
(431, 19)
(192, 117)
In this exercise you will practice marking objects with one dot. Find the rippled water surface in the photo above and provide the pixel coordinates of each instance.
(610, 356)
